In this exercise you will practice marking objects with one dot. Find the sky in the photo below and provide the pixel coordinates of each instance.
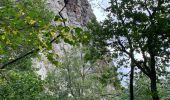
(98, 7)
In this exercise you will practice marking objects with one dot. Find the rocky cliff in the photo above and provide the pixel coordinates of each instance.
(78, 13)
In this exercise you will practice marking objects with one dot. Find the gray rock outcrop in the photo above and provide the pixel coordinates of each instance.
(78, 13)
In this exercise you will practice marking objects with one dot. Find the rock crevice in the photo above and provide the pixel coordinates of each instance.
(77, 12)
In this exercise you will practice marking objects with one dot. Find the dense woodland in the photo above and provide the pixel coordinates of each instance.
(135, 37)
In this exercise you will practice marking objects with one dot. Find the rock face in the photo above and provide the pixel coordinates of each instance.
(78, 13)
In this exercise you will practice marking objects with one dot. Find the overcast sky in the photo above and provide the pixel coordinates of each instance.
(98, 7)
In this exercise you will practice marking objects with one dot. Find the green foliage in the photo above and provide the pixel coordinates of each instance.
(29, 26)
(24, 26)
(142, 89)
(20, 85)
(109, 77)
(98, 42)
(77, 79)
(20, 82)
(136, 28)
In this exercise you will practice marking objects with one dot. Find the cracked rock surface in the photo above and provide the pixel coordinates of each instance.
(78, 13)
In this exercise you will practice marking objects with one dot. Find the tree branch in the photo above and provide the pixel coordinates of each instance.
(124, 49)
(132, 58)
(25, 55)
(37, 49)
(145, 58)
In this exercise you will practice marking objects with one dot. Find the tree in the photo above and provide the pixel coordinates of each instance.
(19, 81)
(140, 28)
(142, 91)
(77, 79)
(27, 27)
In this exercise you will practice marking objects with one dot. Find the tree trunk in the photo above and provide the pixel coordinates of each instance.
(154, 91)
(153, 86)
(131, 83)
